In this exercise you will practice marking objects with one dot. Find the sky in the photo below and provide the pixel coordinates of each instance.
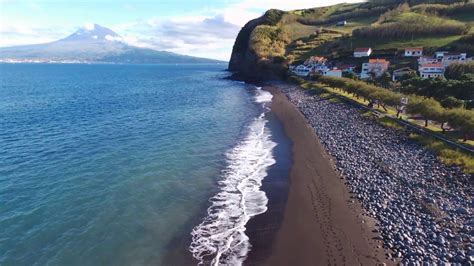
(205, 28)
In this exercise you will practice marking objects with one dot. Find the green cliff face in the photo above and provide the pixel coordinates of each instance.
(257, 47)
(267, 45)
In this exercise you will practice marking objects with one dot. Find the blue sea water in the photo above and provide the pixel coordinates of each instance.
(109, 164)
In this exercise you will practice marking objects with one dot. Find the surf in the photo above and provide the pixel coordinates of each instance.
(220, 238)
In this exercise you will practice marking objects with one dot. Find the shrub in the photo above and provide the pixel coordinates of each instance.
(412, 25)
(429, 108)
(457, 70)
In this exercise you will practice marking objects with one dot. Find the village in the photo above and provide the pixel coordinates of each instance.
(427, 66)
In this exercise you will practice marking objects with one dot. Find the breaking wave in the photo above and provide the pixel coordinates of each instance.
(220, 238)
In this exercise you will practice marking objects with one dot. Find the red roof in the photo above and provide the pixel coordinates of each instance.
(432, 65)
(380, 61)
(361, 50)
(414, 49)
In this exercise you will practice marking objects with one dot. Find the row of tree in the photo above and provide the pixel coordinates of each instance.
(414, 25)
(428, 108)
(339, 16)
(445, 10)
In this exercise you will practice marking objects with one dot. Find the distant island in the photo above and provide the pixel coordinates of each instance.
(93, 44)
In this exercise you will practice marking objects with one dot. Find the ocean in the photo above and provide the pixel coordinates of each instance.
(133, 164)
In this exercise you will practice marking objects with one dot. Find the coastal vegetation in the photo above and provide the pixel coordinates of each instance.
(279, 38)
(361, 93)
(427, 107)
(442, 106)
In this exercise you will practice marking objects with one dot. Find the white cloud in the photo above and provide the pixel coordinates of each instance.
(241, 12)
(112, 38)
(211, 34)
(11, 35)
(192, 35)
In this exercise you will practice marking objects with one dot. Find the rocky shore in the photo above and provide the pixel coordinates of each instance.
(423, 208)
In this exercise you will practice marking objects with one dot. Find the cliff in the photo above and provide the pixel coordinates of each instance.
(266, 46)
(247, 62)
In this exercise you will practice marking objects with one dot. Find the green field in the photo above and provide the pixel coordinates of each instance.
(340, 41)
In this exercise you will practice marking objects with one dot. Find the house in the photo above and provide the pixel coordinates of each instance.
(362, 52)
(302, 70)
(431, 70)
(450, 58)
(399, 73)
(413, 51)
(341, 23)
(333, 73)
(320, 68)
(440, 54)
(427, 60)
(374, 67)
(316, 60)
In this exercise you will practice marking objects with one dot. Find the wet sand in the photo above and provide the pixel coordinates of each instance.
(322, 224)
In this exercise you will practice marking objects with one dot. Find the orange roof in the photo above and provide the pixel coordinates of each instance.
(380, 61)
(361, 49)
(318, 57)
(414, 49)
(432, 65)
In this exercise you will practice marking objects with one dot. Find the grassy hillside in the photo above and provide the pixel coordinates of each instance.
(281, 38)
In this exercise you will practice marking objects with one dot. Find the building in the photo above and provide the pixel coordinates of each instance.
(431, 70)
(374, 67)
(399, 73)
(362, 52)
(333, 73)
(440, 54)
(341, 23)
(413, 51)
(450, 58)
(427, 60)
(302, 70)
(316, 60)
(320, 68)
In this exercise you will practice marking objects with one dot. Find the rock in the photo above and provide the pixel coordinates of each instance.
(394, 178)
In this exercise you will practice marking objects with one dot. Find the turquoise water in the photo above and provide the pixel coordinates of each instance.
(109, 164)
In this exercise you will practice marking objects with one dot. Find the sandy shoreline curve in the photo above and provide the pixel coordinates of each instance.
(322, 224)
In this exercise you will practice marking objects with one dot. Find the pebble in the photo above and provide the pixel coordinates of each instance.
(414, 197)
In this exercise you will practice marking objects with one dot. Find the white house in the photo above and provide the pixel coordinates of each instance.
(333, 73)
(440, 54)
(375, 66)
(450, 58)
(302, 70)
(413, 51)
(341, 23)
(427, 60)
(320, 68)
(362, 52)
(431, 70)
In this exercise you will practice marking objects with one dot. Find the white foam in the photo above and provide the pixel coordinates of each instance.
(263, 96)
(220, 239)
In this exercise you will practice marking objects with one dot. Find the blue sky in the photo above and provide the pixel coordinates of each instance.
(195, 27)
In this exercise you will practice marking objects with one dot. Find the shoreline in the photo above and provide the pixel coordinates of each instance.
(421, 206)
(321, 224)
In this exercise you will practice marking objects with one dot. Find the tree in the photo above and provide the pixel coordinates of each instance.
(463, 120)
(450, 102)
(457, 70)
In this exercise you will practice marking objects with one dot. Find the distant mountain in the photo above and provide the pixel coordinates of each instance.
(93, 43)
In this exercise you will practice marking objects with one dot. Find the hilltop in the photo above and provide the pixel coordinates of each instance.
(93, 43)
(266, 46)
